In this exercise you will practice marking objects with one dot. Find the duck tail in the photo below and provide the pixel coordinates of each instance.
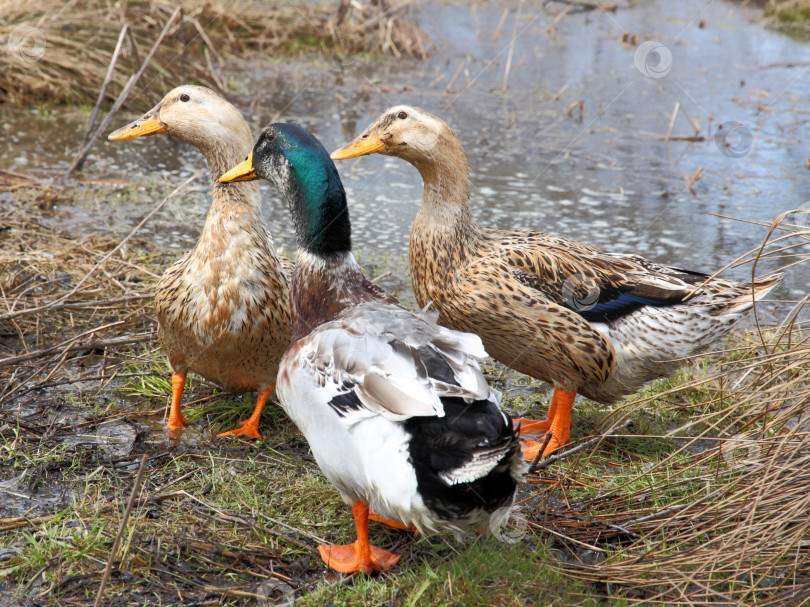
(741, 297)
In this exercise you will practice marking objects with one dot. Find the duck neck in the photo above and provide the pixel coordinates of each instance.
(444, 232)
(445, 200)
(221, 157)
(317, 203)
(234, 219)
(323, 286)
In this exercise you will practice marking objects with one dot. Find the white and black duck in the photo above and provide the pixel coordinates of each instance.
(395, 408)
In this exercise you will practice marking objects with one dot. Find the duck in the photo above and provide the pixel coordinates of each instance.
(223, 307)
(587, 320)
(395, 408)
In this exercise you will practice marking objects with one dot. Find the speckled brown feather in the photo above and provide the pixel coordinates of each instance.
(223, 309)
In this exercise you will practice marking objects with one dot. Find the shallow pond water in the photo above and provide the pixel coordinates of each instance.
(601, 172)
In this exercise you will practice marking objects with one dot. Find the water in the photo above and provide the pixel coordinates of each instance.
(606, 177)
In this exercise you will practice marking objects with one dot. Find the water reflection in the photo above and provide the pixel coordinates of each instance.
(609, 179)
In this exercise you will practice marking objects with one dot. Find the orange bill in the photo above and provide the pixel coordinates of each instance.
(241, 172)
(367, 143)
(148, 124)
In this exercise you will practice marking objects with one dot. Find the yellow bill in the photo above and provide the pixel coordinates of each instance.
(368, 143)
(148, 124)
(241, 172)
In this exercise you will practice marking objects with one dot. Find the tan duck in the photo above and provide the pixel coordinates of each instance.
(587, 320)
(223, 308)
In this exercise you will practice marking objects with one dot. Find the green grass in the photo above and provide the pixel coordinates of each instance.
(221, 517)
(478, 573)
(789, 11)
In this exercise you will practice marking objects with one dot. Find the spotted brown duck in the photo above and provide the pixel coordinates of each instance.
(222, 308)
(586, 320)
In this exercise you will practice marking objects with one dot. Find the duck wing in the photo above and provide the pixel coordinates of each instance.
(598, 285)
(379, 358)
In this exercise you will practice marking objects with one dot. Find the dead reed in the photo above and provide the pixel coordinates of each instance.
(69, 305)
(60, 52)
(725, 518)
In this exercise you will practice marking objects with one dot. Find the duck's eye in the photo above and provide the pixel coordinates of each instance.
(402, 115)
(184, 97)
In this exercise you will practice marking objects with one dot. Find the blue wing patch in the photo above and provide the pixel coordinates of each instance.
(623, 304)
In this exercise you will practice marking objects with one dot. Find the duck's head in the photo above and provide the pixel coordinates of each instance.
(298, 165)
(199, 116)
(405, 131)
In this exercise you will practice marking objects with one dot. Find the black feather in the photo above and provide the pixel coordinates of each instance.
(444, 444)
(346, 402)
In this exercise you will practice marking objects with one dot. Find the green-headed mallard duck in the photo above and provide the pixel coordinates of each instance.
(395, 408)
(222, 308)
(589, 321)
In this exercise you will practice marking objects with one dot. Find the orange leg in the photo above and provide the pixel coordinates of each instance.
(561, 404)
(359, 556)
(250, 426)
(176, 419)
(532, 433)
(373, 516)
(561, 426)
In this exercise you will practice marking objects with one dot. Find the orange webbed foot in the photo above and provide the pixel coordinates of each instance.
(349, 559)
(532, 427)
(246, 429)
(250, 426)
(359, 556)
(530, 449)
(177, 422)
(554, 444)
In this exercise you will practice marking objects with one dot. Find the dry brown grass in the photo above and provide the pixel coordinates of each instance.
(68, 304)
(724, 519)
(60, 52)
